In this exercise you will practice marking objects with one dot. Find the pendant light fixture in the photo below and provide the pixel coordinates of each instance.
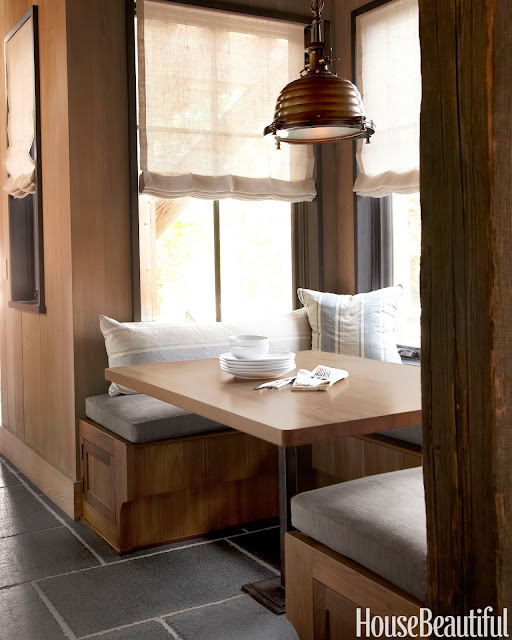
(319, 106)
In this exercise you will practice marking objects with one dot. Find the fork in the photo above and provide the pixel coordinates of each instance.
(324, 373)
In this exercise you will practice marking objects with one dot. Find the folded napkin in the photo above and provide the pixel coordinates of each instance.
(306, 381)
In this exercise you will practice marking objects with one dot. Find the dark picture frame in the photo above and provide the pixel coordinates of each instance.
(26, 271)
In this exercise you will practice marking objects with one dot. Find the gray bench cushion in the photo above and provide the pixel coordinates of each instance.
(413, 435)
(378, 521)
(139, 418)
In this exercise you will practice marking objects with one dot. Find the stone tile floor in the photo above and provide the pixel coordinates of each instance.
(58, 580)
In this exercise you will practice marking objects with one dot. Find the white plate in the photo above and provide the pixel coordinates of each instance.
(281, 367)
(270, 375)
(270, 358)
(257, 375)
(255, 367)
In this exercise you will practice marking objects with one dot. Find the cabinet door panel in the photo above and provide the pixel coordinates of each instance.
(334, 617)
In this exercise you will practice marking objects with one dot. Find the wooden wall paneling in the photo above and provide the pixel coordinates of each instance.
(62, 490)
(99, 183)
(56, 325)
(4, 380)
(339, 230)
(114, 135)
(14, 369)
(338, 215)
(31, 380)
(91, 94)
(18, 321)
(11, 355)
(466, 299)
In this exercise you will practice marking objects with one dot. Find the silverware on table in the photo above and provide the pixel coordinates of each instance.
(275, 384)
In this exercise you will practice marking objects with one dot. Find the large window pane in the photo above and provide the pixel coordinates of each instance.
(256, 262)
(185, 272)
(406, 265)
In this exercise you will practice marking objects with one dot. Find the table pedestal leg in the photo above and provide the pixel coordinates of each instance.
(270, 593)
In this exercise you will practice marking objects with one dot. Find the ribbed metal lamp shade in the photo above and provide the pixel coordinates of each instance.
(319, 107)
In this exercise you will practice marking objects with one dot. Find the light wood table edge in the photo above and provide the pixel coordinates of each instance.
(255, 428)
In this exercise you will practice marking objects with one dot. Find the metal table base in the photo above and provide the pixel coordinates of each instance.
(271, 592)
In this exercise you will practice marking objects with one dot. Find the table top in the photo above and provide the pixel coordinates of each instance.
(375, 397)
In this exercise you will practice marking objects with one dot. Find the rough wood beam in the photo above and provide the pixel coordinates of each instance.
(466, 141)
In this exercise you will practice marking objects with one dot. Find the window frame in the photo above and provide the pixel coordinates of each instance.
(373, 241)
(307, 248)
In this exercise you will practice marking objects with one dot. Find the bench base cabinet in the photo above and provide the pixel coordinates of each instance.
(324, 591)
(137, 495)
(357, 457)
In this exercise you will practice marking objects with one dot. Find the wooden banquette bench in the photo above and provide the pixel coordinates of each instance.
(359, 544)
(153, 473)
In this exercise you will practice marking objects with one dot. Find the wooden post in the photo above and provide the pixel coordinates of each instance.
(466, 292)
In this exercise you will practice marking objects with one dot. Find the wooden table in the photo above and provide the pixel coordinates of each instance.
(377, 396)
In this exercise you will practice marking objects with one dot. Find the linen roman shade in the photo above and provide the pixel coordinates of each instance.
(208, 82)
(19, 66)
(389, 79)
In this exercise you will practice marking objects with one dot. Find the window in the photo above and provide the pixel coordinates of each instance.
(215, 210)
(215, 260)
(201, 119)
(388, 214)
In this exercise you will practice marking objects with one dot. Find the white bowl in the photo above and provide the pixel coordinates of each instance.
(248, 347)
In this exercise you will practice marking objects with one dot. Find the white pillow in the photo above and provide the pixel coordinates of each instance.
(360, 325)
(148, 342)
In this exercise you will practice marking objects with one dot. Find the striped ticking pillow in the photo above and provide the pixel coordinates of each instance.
(360, 325)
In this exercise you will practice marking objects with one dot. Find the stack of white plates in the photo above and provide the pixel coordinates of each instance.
(273, 365)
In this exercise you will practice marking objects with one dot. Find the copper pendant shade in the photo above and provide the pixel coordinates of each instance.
(319, 106)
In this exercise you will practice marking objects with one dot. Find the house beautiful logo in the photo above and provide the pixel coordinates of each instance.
(479, 623)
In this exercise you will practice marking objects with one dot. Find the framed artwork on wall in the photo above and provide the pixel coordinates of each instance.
(23, 164)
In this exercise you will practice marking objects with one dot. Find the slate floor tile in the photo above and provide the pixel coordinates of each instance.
(262, 544)
(30, 556)
(240, 619)
(8, 465)
(87, 535)
(145, 631)
(118, 594)
(23, 616)
(7, 479)
(20, 512)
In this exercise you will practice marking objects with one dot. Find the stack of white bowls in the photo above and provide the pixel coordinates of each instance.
(249, 358)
